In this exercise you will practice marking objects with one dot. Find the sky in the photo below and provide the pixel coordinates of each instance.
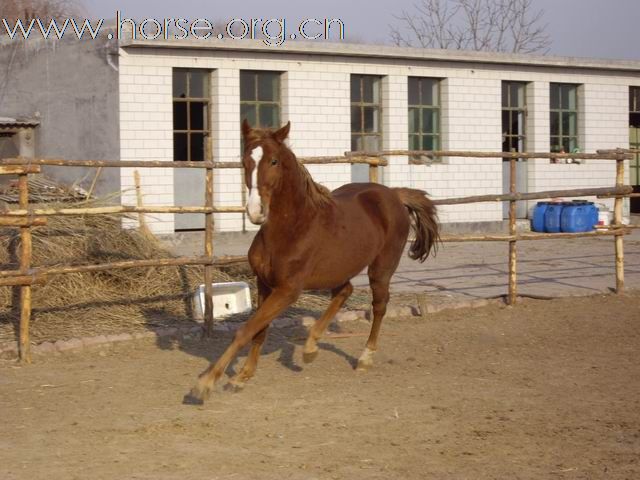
(582, 28)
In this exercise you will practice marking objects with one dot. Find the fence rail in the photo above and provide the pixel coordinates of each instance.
(622, 191)
(25, 218)
(600, 155)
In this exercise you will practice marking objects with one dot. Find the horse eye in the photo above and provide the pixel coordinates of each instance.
(274, 162)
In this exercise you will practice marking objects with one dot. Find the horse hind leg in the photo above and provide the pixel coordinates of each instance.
(380, 291)
(380, 273)
(339, 296)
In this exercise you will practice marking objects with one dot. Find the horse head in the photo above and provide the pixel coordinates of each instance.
(264, 156)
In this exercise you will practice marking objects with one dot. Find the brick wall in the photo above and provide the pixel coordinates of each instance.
(315, 98)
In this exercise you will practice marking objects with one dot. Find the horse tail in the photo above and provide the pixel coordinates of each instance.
(424, 222)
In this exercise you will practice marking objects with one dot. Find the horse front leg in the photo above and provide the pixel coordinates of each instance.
(340, 295)
(273, 305)
(251, 363)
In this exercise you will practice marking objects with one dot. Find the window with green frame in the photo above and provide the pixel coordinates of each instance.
(564, 117)
(260, 98)
(634, 136)
(190, 114)
(366, 106)
(366, 116)
(424, 113)
(514, 116)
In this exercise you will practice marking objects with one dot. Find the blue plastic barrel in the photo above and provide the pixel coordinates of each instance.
(575, 218)
(537, 221)
(579, 216)
(552, 217)
(593, 221)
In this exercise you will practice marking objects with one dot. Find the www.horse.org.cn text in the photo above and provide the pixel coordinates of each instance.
(273, 32)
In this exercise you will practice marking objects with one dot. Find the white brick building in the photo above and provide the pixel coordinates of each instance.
(314, 83)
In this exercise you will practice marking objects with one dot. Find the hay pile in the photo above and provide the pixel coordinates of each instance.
(117, 301)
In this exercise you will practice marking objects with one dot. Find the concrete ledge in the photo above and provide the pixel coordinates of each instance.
(9, 350)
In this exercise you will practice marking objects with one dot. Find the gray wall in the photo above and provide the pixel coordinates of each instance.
(71, 87)
(8, 147)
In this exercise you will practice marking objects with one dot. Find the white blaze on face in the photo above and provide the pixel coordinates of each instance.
(254, 206)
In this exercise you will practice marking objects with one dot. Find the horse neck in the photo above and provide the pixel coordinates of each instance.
(291, 202)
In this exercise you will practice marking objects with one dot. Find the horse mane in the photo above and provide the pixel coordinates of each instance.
(319, 195)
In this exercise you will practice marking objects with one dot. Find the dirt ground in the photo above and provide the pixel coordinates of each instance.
(545, 390)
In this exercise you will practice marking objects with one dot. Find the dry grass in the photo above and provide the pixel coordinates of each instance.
(103, 302)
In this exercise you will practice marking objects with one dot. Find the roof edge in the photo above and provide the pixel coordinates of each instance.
(9, 122)
(388, 52)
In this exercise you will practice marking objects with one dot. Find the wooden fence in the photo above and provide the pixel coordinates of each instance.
(619, 191)
(26, 218)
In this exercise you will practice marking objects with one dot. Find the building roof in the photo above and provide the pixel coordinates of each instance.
(416, 55)
(8, 123)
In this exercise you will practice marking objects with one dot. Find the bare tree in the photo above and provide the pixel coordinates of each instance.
(485, 25)
(27, 10)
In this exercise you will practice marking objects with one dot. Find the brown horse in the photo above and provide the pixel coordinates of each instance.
(311, 238)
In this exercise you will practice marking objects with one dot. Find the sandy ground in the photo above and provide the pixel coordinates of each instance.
(545, 390)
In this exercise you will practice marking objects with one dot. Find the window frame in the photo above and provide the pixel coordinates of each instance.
(634, 109)
(257, 103)
(421, 107)
(188, 100)
(562, 112)
(634, 100)
(361, 105)
(514, 110)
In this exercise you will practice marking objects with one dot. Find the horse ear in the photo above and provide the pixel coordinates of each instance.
(282, 134)
(246, 128)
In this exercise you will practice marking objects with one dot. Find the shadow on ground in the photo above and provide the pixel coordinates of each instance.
(282, 341)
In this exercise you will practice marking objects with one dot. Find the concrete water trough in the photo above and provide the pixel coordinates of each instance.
(229, 298)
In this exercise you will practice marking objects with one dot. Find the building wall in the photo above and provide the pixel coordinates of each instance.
(316, 97)
(71, 88)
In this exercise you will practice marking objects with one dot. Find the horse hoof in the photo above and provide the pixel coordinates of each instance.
(308, 357)
(363, 366)
(234, 386)
(191, 399)
(365, 362)
(197, 395)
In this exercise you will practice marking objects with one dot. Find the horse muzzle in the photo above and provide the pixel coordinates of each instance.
(257, 220)
(256, 208)
(257, 213)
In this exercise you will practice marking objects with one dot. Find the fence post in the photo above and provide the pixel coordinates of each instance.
(373, 172)
(617, 222)
(243, 198)
(208, 252)
(141, 218)
(25, 265)
(513, 286)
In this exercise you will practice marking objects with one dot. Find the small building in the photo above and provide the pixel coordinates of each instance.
(17, 137)
(179, 100)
